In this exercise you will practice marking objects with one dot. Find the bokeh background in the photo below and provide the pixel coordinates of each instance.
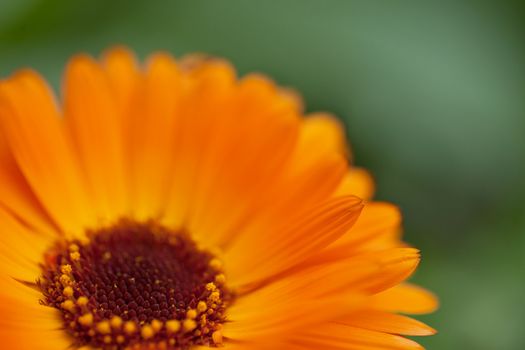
(432, 94)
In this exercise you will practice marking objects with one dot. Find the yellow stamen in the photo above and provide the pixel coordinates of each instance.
(130, 327)
(156, 325)
(192, 314)
(65, 280)
(201, 306)
(217, 337)
(189, 325)
(172, 326)
(215, 296)
(147, 332)
(75, 256)
(120, 339)
(116, 322)
(211, 286)
(66, 269)
(220, 279)
(73, 247)
(215, 264)
(204, 320)
(86, 320)
(68, 305)
(68, 292)
(103, 327)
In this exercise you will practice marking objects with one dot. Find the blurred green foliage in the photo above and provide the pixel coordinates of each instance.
(432, 94)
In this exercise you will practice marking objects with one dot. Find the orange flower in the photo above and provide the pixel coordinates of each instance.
(174, 206)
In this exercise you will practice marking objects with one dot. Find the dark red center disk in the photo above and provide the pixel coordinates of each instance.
(136, 283)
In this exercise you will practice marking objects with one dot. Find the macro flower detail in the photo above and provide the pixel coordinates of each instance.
(173, 205)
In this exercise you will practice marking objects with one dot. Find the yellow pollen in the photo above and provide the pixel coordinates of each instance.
(156, 325)
(68, 305)
(189, 325)
(201, 306)
(75, 256)
(82, 301)
(103, 327)
(211, 286)
(107, 339)
(65, 280)
(130, 327)
(86, 320)
(68, 292)
(172, 342)
(66, 269)
(73, 247)
(217, 337)
(115, 322)
(215, 296)
(220, 279)
(215, 264)
(172, 326)
(120, 339)
(192, 314)
(147, 332)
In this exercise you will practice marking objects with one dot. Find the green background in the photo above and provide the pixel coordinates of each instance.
(432, 93)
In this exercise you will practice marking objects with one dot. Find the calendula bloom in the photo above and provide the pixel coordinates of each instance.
(175, 206)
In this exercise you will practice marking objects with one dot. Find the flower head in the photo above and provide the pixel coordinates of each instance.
(175, 206)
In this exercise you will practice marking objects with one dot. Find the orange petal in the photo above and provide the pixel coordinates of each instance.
(30, 339)
(213, 192)
(21, 249)
(357, 182)
(367, 273)
(16, 195)
(92, 118)
(34, 130)
(363, 274)
(386, 322)
(393, 266)
(318, 181)
(283, 308)
(321, 134)
(275, 202)
(341, 337)
(287, 246)
(153, 122)
(25, 323)
(376, 229)
(202, 108)
(123, 74)
(406, 298)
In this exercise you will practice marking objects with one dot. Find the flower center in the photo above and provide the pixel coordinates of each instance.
(133, 284)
